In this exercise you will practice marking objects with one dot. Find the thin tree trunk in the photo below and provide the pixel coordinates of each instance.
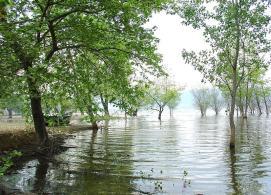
(266, 106)
(232, 125)
(170, 111)
(246, 101)
(234, 81)
(258, 105)
(160, 113)
(265, 103)
(9, 113)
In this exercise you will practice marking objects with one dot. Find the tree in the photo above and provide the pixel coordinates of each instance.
(161, 94)
(201, 100)
(237, 27)
(36, 35)
(216, 100)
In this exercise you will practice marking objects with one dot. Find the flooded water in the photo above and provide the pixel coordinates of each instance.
(185, 154)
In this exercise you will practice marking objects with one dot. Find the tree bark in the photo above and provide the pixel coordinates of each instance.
(135, 112)
(92, 118)
(105, 105)
(36, 109)
(232, 125)
(246, 101)
(265, 102)
(258, 105)
(234, 78)
(266, 106)
(160, 113)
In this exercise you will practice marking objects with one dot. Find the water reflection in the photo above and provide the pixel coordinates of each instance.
(40, 175)
(184, 154)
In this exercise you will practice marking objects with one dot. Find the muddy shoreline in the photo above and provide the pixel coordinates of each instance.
(25, 142)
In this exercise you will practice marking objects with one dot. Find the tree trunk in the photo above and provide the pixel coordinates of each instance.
(160, 113)
(135, 112)
(170, 111)
(246, 101)
(95, 125)
(36, 109)
(265, 103)
(202, 112)
(92, 118)
(232, 108)
(258, 105)
(234, 79)
(232, 125)
(105, 105)
(266, 106)
(9, 113)
(216, 111)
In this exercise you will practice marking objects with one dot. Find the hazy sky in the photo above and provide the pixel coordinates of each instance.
(174, 37)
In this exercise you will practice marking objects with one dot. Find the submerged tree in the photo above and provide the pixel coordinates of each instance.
(234, 30)
(216, 100)
(161, 94)
(201, 100)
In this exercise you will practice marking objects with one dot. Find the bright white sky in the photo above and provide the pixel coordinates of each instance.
(174, 37)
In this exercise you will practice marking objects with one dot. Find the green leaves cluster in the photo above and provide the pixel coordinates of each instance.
(6, 161)
(75, 51)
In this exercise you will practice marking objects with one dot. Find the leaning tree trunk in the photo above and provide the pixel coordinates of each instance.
(36, 109)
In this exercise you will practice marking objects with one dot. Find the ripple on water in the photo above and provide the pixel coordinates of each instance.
(181, 155)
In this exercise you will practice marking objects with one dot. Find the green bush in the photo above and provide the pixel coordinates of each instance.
(6, 161)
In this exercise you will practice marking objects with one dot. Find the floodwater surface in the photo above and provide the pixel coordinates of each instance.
(184, 154)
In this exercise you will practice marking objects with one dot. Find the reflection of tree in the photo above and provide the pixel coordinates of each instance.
(247, 158)
(108, 165)
(234, 181)
(40, 175)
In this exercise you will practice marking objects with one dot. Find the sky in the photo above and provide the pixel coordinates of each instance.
(174, 37)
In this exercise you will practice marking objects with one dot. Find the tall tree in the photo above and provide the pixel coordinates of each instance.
(35, 34)
(230, 27)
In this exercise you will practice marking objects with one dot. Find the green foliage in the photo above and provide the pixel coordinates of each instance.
(75, 51)
(161, 94)
(6, 161)
(236, 35)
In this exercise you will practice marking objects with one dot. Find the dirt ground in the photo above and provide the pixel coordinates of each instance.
(15, 133)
